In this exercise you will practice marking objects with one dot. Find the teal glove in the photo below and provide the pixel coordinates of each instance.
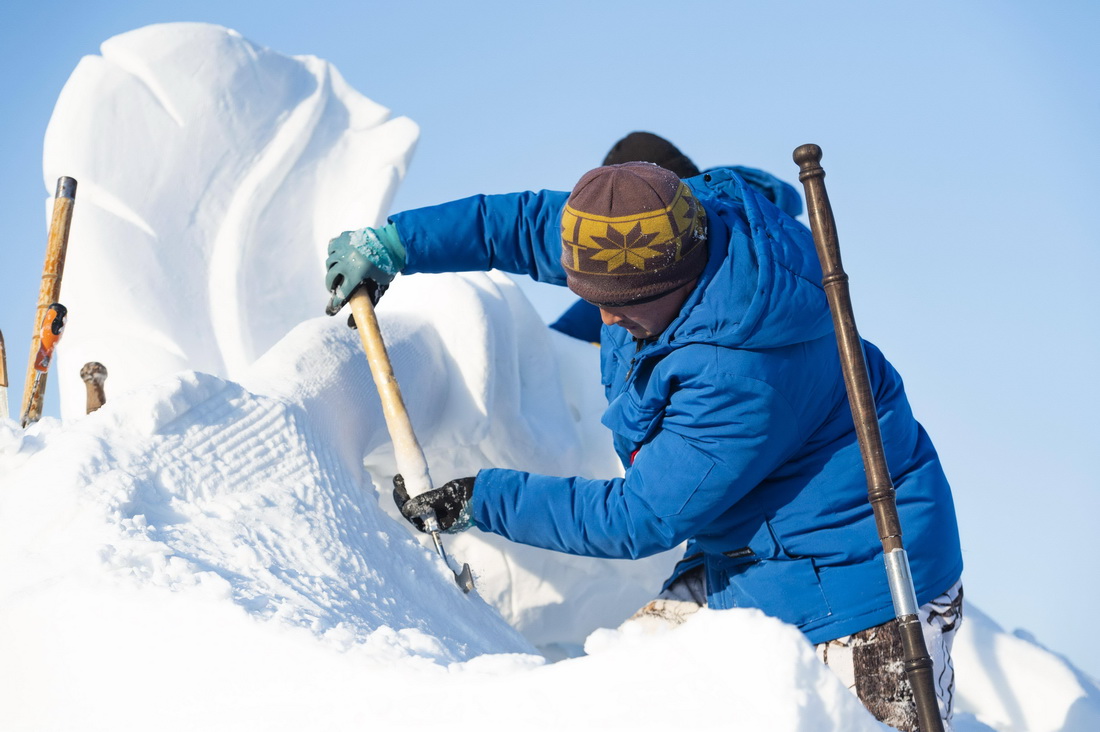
(367, 257)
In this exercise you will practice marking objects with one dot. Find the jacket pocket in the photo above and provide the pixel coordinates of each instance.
(677, 484)
(785, 588)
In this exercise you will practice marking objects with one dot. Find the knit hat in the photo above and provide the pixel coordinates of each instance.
(631, 233)
(650, 148)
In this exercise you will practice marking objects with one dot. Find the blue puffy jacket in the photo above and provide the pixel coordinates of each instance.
(734, 424)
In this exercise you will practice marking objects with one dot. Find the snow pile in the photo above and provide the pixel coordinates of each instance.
(202, 553)
(198, 530)
(211, 173)
(219, 550)
(1010, 682)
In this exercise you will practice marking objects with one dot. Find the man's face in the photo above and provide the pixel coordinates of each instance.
(648, 319)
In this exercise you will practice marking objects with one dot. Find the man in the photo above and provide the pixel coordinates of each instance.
(727, 405)
(582, 319)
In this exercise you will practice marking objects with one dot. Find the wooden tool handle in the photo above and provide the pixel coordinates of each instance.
(880, 488)
(861, 398)
(3, 364)
(52, 271)
(410, 458)
(3, 379)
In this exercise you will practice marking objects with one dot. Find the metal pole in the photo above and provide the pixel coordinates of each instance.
(880, 487)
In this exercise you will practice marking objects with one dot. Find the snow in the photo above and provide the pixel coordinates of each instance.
(217, 548)
(211, 173)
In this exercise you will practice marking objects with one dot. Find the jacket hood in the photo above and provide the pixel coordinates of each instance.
(761, 287)
(781, 193)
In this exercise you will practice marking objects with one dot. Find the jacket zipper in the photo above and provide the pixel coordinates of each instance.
(639, 344)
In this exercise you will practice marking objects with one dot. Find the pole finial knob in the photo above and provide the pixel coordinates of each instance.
(807, 156)
(66, 187)
(93, 371)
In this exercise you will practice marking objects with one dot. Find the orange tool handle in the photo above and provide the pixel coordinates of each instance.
(53, 325)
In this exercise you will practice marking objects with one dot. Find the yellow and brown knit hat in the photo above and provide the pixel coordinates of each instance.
(631, 233)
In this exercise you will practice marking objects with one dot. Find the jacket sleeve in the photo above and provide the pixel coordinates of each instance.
(518, 233)
(715, 442)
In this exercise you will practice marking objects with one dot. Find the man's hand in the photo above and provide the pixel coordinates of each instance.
(368, 257)
(450, 505)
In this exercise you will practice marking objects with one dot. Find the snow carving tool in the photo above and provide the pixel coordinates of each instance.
(411, 463)
(880, 487)
(3, 380)
(53, 325)
(50, 289)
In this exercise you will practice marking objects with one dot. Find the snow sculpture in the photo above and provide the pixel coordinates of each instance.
(212, 172)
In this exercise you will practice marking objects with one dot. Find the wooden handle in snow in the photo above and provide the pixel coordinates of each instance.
(94, 374)
(861, 400)
(52, 271)
(411, 463)
(50, 289)
(3, 379)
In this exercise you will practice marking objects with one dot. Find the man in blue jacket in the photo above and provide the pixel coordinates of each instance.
(727, 405)
(582, 319)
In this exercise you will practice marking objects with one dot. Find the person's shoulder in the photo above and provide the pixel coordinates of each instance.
(712, 365)
(735, 180)
(723, 184)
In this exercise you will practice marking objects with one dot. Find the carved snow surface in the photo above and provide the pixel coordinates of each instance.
(212, 172)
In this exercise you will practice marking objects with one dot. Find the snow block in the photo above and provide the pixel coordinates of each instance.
(212, 172)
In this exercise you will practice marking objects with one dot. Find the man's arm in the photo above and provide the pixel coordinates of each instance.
(514, 232)
(717, 442)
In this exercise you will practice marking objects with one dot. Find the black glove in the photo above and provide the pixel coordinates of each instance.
(450, 504)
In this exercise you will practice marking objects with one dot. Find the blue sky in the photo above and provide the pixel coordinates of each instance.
(960, 144)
